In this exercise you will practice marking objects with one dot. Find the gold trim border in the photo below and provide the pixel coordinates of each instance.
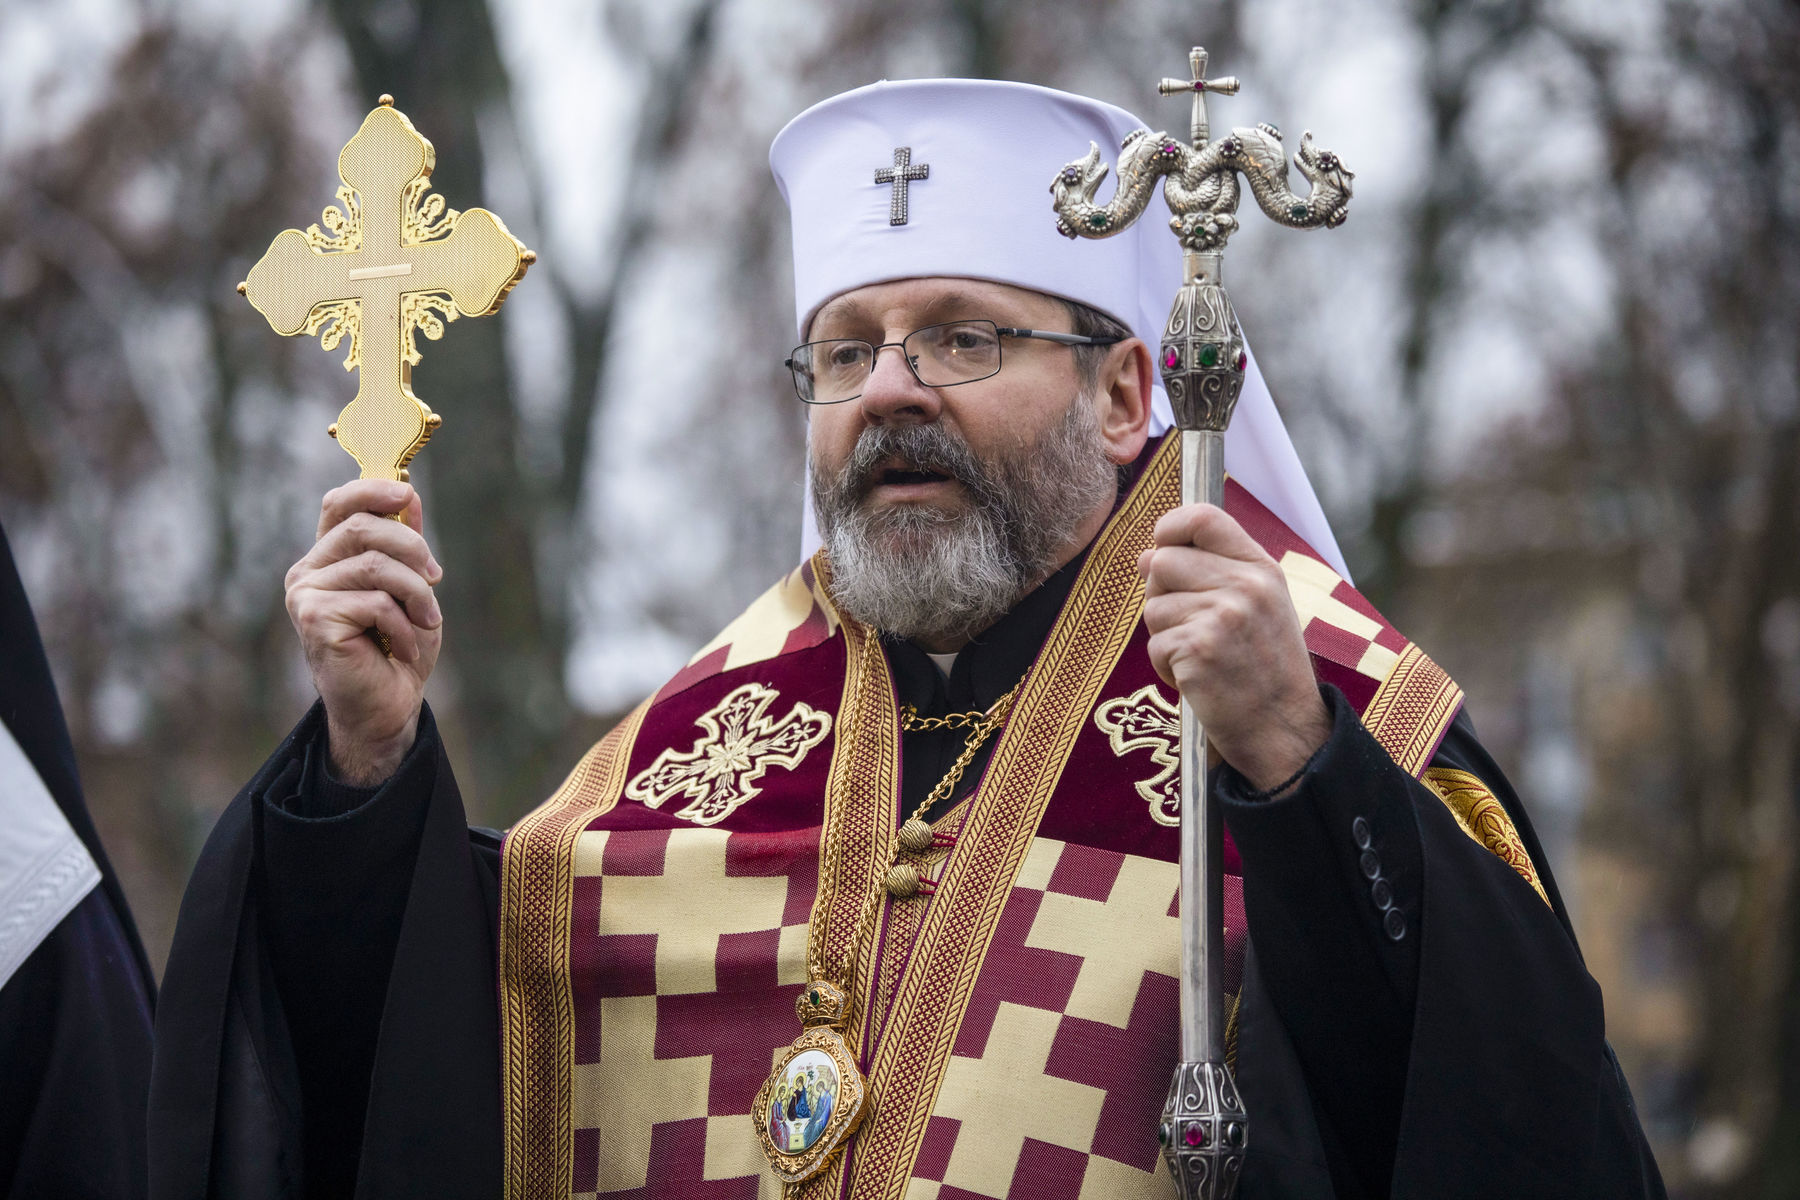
(859, 827)
(537, 1007)
(1079, 656)
(1412, 709)
(860, 831)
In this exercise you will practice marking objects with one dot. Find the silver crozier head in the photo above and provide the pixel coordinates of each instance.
(1202, 358)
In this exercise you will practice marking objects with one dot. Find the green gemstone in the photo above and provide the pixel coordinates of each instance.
(815, 996)
(1209, 356)
(1299, 212)
(1099, 220)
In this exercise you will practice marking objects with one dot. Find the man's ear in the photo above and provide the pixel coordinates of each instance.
(1124, 400)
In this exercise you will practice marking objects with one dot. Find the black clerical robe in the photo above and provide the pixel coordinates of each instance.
(75, 1016)
(329, 1017)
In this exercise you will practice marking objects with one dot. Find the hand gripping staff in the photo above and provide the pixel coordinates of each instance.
(1204, 1131)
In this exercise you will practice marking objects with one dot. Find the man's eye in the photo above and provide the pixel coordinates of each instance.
(843, 356)
(965, 339)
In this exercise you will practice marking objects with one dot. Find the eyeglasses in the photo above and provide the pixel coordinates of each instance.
(834, 371)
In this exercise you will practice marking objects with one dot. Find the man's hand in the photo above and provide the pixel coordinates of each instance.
(368, 572)
(1223, 630)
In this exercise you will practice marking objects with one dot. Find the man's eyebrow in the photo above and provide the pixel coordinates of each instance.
(841, 311)
(962, 306)
(950, 306)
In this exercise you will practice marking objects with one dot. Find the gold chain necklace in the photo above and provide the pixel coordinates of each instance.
(906, 879)
(816, 1096)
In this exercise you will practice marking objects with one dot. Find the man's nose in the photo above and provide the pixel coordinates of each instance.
(894, 395)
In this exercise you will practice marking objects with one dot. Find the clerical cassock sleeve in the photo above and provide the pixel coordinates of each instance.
(331, 1028)
(1412, 949)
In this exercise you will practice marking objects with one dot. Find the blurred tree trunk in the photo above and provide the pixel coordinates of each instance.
(1456, 39)
(1759, 297)
(1733, 476)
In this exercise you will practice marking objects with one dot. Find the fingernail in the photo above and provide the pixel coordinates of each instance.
(433, 571)
(435, 614)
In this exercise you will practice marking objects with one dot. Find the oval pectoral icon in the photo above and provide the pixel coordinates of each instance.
(810, 1105)
(803, 1100)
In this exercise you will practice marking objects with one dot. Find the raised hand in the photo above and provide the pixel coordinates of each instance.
(1223, 630)
(367, 572)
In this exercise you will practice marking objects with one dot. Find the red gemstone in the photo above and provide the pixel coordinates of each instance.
(1194, 1134)
(1199, 85)
(1171, 360)
(1242, 359)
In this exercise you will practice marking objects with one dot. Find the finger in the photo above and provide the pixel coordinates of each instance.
(1183, 658)
(373, 571)
(1187, 569)
(1159, 649)
(361, 532)
(354, 613)
(413, 515)
(1219, 618)
(1221, 610)
(1208, 527)
(379, 496)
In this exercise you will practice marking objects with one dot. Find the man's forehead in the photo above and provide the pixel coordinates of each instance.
(945, 297)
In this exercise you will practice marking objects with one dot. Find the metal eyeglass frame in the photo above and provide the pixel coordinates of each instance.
(1005, 331)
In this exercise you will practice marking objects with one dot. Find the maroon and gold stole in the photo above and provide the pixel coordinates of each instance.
(654, 911)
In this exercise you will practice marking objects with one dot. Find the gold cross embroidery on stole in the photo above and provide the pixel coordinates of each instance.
(741, 742)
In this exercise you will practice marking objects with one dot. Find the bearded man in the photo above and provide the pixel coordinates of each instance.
(921, 795)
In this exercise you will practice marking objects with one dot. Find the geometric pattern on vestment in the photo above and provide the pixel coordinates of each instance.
(1057, 1076)
(702, 934)
(649, 964)
(690, 952)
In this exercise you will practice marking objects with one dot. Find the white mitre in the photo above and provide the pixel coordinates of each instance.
(951, 177)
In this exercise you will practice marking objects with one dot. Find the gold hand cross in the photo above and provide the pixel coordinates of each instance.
(393, 260)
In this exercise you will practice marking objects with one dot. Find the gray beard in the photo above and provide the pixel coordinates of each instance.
(946, 574)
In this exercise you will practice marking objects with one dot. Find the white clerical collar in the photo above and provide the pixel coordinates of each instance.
(945, 662)
(44, 869)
